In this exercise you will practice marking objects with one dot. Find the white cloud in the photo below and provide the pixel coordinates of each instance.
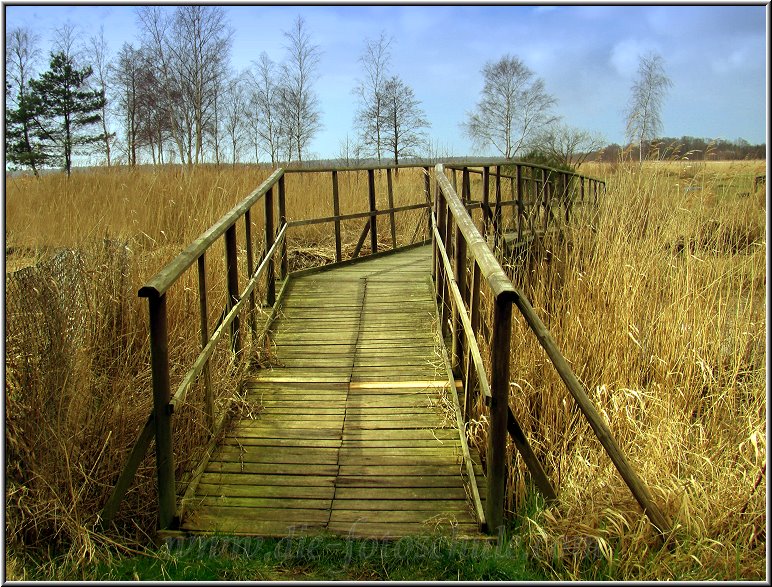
(626, 54)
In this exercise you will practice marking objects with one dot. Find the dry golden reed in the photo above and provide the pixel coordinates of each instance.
(657, 299)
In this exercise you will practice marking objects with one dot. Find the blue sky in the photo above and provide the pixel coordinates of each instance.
(586, 55)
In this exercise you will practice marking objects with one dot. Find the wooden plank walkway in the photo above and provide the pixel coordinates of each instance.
(356, 436)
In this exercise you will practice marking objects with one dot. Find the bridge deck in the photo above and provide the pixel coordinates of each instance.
(356, 435)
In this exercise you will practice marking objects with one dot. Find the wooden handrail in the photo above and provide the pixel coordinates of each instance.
(500, 345)
(161, 281)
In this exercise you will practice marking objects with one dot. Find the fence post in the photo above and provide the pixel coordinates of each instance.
(458, 328)
(204, 312)
(428, 194)
(270, 293)
(465, 187)
(336, 213)
(497, 434)
(231, 264)
(250, 271)
(497, 227)
(373, 222)
(486, 201)
(164, 455)
(282, 221)
(390, 189)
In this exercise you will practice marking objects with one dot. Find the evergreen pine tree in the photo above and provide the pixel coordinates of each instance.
(64, 110)
(21, 148)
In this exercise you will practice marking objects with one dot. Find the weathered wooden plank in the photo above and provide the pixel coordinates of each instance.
(414, 481)
(275, 455)
(207, 524)
(417, 517)
(223, 516)
(272, 492)
(269, 480)
(397, 493)
(272, 469)
(282, 503)
(385, 531)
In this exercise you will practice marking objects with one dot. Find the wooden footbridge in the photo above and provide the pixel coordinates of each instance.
(367, 370)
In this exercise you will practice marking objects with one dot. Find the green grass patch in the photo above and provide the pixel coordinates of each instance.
(321, 557)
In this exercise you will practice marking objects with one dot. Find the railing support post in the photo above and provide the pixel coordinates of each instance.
(284, 269)
(428, 194)
(458, 330)
(336, 213)
(159, 362)
(250, 269)
(231, 265)
(270, 277)
(486, 208)
(390, 193)
(373, 217)
(520, 203)
(204, 312)
(497, 433)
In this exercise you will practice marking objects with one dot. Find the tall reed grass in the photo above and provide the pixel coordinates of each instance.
(658, 300)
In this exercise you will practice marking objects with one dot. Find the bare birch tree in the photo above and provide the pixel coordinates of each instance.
(264, 106)
(21, 57)
(370, 93)
(97, 47)
(514, 106)
(299, 101)
(403, 120)
(235, 113)
(569, 145)
(644, 120)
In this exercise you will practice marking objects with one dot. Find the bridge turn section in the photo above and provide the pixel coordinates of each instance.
(356, 434)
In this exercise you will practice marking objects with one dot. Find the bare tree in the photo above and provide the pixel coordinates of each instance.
(299, 102)
(264, 106)
(569, 145)
(66, 37)
(648, 92)
(190, 50)
(370, 93)
(235, 110)
(97, 46)
(21, 56)
(403, 118)
(514, 107)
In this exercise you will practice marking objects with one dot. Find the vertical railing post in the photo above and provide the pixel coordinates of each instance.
(164, 455)
(497, 433)
(486, 214)
(204, 312)
(232, 271)
(460, 270)
(428, 195)
(497, 228)
(250, 271)
(474, 310)
(581, 189)
(465, 187)
(392, 225)
(442, 222)
(284, 269)
(373, 217)
(336, 213)
(270, 277)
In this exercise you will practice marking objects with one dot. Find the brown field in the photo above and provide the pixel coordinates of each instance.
(658, 302)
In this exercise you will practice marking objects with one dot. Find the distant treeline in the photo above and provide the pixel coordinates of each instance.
(692, 148)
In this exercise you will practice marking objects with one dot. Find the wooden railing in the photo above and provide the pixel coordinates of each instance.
(468, 281)
(274, 234)
(536, 195)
